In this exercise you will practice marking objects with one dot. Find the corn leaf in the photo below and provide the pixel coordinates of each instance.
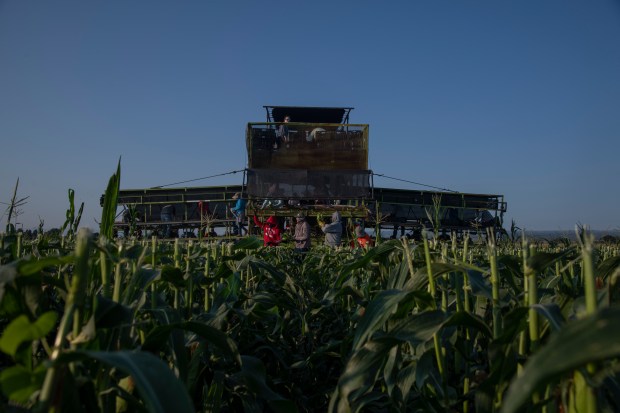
(213, 400)
(157, 336)
(587, 340)
(110, 200)
(377, 312)
(365, 363)
(35, 265)
(158, 387)
(539, 261)
(253, 371)
(21, 330)
(608, 267)
(248, 243)
(18, 383)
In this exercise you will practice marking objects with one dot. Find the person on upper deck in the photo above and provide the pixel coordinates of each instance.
(282, 134)
(333, 231)
(270, 202)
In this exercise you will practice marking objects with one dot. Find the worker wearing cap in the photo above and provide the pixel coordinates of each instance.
(239, 212)
(302, 234)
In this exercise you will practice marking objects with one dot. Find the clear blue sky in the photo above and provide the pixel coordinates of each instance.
(520, 98)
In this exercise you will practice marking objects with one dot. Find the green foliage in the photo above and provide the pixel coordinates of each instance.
(21, 330)
(110, 202)
(19, 383)
(13, 209)
(591, 339)
(159, 388)
(221, 327)
(72, 221)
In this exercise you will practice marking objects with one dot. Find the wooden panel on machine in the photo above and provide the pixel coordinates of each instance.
(308, 146)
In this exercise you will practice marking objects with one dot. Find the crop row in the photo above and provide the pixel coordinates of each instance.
(95, 324)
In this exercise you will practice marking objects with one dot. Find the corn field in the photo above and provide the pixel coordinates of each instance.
(90, 324)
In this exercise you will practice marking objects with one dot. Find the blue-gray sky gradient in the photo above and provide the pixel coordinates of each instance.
(520, 98)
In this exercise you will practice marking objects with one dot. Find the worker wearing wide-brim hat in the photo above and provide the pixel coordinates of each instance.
(302, 233)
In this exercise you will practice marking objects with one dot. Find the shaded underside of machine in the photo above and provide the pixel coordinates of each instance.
(199, 207)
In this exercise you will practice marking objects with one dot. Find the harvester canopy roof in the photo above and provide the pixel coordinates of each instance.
(308, 114)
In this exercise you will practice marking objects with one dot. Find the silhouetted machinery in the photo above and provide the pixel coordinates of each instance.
(316, 163)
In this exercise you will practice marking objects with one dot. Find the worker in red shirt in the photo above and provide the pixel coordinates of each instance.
(362, 239)
(271, 232)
